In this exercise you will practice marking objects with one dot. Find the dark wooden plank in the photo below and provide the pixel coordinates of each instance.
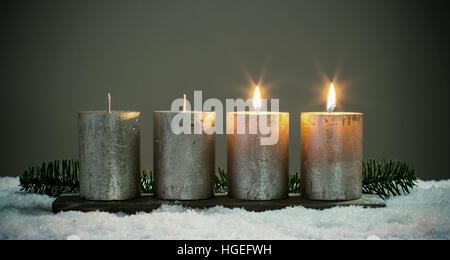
(148, 203)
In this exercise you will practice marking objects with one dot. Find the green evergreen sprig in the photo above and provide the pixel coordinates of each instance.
(147, 181)
(384, 178)
(221, 181)
(294, 183)
(387, 178)
(52, 178)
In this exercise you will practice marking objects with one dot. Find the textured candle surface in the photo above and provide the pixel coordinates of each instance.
(109, 153)
(183, 164)
(331, 155)
(255, 171)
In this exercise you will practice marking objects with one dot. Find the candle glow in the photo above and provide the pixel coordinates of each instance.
(258, 151)
(331, 153)
(331, 102)
(257, 99)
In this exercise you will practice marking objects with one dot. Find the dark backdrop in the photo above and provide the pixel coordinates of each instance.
(390, 60)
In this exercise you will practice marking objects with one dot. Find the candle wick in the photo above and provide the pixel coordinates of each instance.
(184, 103)
(109, 103)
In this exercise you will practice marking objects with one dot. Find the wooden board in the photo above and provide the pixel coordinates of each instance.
(148, 203)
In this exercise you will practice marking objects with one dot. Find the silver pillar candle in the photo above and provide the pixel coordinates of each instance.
(183, 164)
(109, 154)
(255, 171)
(331, 155)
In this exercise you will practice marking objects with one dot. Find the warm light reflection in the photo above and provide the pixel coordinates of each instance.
(128, 115)
(331, 102)
(257, 99)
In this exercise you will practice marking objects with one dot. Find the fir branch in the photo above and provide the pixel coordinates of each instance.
(384, 178)
(294, 183)
(52, 178)
(147, 181)
(221, 181)
(387, 178)
(62, 177)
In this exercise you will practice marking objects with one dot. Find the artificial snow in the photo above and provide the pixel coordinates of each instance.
(423, 214)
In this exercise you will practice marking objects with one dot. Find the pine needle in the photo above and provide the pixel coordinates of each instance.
(221, 182)
(384, 178)
(387, 178)
(147, 181)
(52, 178)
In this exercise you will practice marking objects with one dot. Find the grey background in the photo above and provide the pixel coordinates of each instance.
(390, 60)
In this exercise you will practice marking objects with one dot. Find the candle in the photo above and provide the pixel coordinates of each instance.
(109, 154)
(256, 171)
(184, 163)
(331, 153)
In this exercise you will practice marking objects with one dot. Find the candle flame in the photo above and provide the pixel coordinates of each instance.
(257, 99)
(331, 102)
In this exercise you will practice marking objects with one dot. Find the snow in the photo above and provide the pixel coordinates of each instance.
(423, 214)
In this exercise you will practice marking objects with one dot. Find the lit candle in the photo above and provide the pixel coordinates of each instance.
(331, 153)
(184, 163)
(109, 154)
(257, 171)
